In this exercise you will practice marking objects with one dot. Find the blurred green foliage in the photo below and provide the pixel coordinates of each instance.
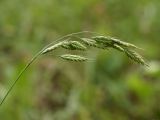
(110, 88)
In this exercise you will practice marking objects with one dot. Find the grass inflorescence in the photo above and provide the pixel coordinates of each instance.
(83, 44)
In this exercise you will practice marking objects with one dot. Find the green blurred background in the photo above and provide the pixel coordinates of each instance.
(111, 87)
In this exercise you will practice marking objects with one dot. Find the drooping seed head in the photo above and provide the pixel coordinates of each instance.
(135, 57)
(111, 41)
(73, 45)
(76, 58)
(122, 43)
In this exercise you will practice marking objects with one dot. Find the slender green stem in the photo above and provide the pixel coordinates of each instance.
(34, 58)
(20, 74)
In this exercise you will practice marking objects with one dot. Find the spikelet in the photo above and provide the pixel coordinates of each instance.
(117, 47)
(111, 41)
(73, 45)
(135, 57)
(51, 48)
(89, 42)
(93, 43)
(121, 43)
(101, 39)
(75, 58)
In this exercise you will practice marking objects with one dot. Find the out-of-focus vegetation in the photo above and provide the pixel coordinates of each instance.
(110, 88)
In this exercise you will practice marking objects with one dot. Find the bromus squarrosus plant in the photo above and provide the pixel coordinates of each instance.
(83, 44)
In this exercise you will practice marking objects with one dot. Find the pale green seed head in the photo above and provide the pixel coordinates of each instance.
(89, 42)
(135, 57)
(101, 39)
(76, 58)
(117, 47)
(51, 48)
(93, 43)
(73, 45)
(112, 40)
